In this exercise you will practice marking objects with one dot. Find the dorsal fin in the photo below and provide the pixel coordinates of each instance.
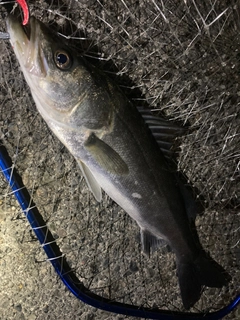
(164, 131)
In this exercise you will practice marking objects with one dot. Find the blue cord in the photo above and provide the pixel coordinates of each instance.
(66, 273)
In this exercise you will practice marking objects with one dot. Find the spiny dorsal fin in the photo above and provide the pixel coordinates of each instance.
(164, 131)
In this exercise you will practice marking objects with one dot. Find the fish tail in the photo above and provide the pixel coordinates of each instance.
(192, 276)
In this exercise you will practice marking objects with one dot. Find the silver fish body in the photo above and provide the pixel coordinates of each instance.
(114, 148)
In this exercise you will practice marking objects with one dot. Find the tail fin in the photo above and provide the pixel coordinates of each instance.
(192, 276)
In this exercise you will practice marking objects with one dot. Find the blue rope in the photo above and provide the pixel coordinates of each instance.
(66, 273)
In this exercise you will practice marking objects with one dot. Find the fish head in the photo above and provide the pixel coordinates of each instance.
(51, 69)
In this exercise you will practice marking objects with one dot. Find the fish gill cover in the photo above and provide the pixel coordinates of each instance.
(183, 59)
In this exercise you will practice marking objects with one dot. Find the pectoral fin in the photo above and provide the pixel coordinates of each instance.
(91, 181)
(105, 156)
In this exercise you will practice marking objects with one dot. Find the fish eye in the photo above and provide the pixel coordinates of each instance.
(62, 59)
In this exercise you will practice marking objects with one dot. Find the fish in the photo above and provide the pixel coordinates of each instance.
(115, 149)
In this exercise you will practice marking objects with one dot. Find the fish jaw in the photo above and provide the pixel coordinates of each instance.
(18, 38)
(33, 63)
(27, 48)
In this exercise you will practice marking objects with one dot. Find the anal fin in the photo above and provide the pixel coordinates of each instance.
(150, 242)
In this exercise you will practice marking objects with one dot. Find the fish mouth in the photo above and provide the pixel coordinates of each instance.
(26, 44)
(27, 30)
(19, 35)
